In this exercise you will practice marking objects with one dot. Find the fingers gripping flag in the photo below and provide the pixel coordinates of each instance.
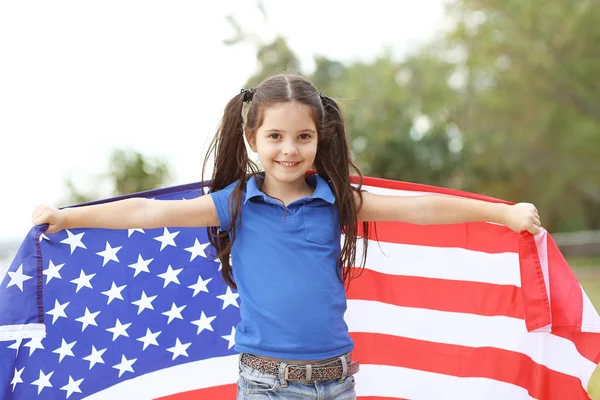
(456, 311)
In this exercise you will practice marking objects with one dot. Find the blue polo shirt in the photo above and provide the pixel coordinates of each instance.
(292, 302)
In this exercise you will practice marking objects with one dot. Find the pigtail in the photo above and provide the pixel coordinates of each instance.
(231, 164)
(333, 162)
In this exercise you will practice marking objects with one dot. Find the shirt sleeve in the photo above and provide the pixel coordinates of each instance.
(221, 200)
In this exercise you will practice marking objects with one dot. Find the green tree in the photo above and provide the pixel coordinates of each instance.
(383, 103)
(506, 104)
(129, 172)
(397, 114)
(530, 104)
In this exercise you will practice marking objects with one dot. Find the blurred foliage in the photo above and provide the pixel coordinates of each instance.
(129, 172)
(531, 104)
(506, 104)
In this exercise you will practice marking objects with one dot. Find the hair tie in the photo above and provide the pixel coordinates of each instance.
(248, 93)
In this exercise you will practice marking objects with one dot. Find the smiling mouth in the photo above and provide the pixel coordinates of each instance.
(288, 164)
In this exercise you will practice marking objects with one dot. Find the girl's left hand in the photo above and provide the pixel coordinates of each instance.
(523, 217)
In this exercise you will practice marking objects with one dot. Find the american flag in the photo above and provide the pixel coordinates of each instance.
(454, 312)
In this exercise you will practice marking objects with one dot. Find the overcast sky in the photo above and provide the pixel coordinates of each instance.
(79, 78)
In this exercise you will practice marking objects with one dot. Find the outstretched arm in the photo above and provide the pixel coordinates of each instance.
(130, 213)
(440, 209)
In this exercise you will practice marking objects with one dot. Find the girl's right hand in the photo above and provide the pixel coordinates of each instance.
(45, 214)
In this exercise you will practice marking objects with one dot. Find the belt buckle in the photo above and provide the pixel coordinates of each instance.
(286, 373)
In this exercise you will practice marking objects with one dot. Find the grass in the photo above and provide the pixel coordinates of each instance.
(588, 273)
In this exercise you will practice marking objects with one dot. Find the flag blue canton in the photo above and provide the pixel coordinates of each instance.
(115, 304)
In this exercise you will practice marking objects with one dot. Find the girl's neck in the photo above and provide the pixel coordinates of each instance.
(286, 192)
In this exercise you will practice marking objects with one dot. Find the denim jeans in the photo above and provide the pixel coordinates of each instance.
(254, 384)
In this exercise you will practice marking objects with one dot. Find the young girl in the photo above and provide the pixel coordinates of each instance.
(282, 228)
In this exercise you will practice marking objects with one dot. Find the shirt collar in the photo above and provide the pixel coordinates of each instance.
(322, 189)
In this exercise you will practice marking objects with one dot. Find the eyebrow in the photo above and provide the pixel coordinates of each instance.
(301, 130)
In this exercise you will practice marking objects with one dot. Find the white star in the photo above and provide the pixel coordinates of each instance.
(53, 271)
(218, 261)
(58, 311)
(17, 278)
(174, 312)
(83, 281)
(130, 231)
(167, 239)
(229, 298)
(34, 344)
(141, 265)
(197, 250)
(149, 338)
(43, 237)
(43, 381)
(74, 240)
(64, 350)
(95, 357)
(16, 345)
(124, 365)
(119, 330)
(17, 378)
(109, 253)
(144, 302)
(200, 286)
(203, 323)
(170, 275)
(72, 386)
(114, 292)
(87, 319)
(205, 189)
(179, 349)
(230, 338)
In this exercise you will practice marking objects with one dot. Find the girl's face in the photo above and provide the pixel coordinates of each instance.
(286, 142)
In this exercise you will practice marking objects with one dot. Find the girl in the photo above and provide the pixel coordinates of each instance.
(282, 228)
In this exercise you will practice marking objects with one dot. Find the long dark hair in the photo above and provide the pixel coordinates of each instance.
(332, 162)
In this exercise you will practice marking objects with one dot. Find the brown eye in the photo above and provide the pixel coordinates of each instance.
(304, 136)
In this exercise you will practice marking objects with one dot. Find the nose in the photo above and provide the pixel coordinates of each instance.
(289, 148)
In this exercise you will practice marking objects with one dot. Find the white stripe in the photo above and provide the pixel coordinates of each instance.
(469, 330)
(442, 263)
(372, 380)
(178, 379)
(22, 331)
(396, 192)
(590, 321)
(388, 381)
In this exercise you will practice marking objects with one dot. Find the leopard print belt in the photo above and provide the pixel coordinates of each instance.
(322, 371)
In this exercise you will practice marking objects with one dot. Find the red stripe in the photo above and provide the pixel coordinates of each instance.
(501, 365)
(211, 393)
(537, 310)
(587, 343)
(478, 236)
(565, 292)
(230, 392)
(416, 187)
(379, 398)
(438, 294)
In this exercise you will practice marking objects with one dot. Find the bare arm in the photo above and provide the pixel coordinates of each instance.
(130, 213)
(439, 209)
